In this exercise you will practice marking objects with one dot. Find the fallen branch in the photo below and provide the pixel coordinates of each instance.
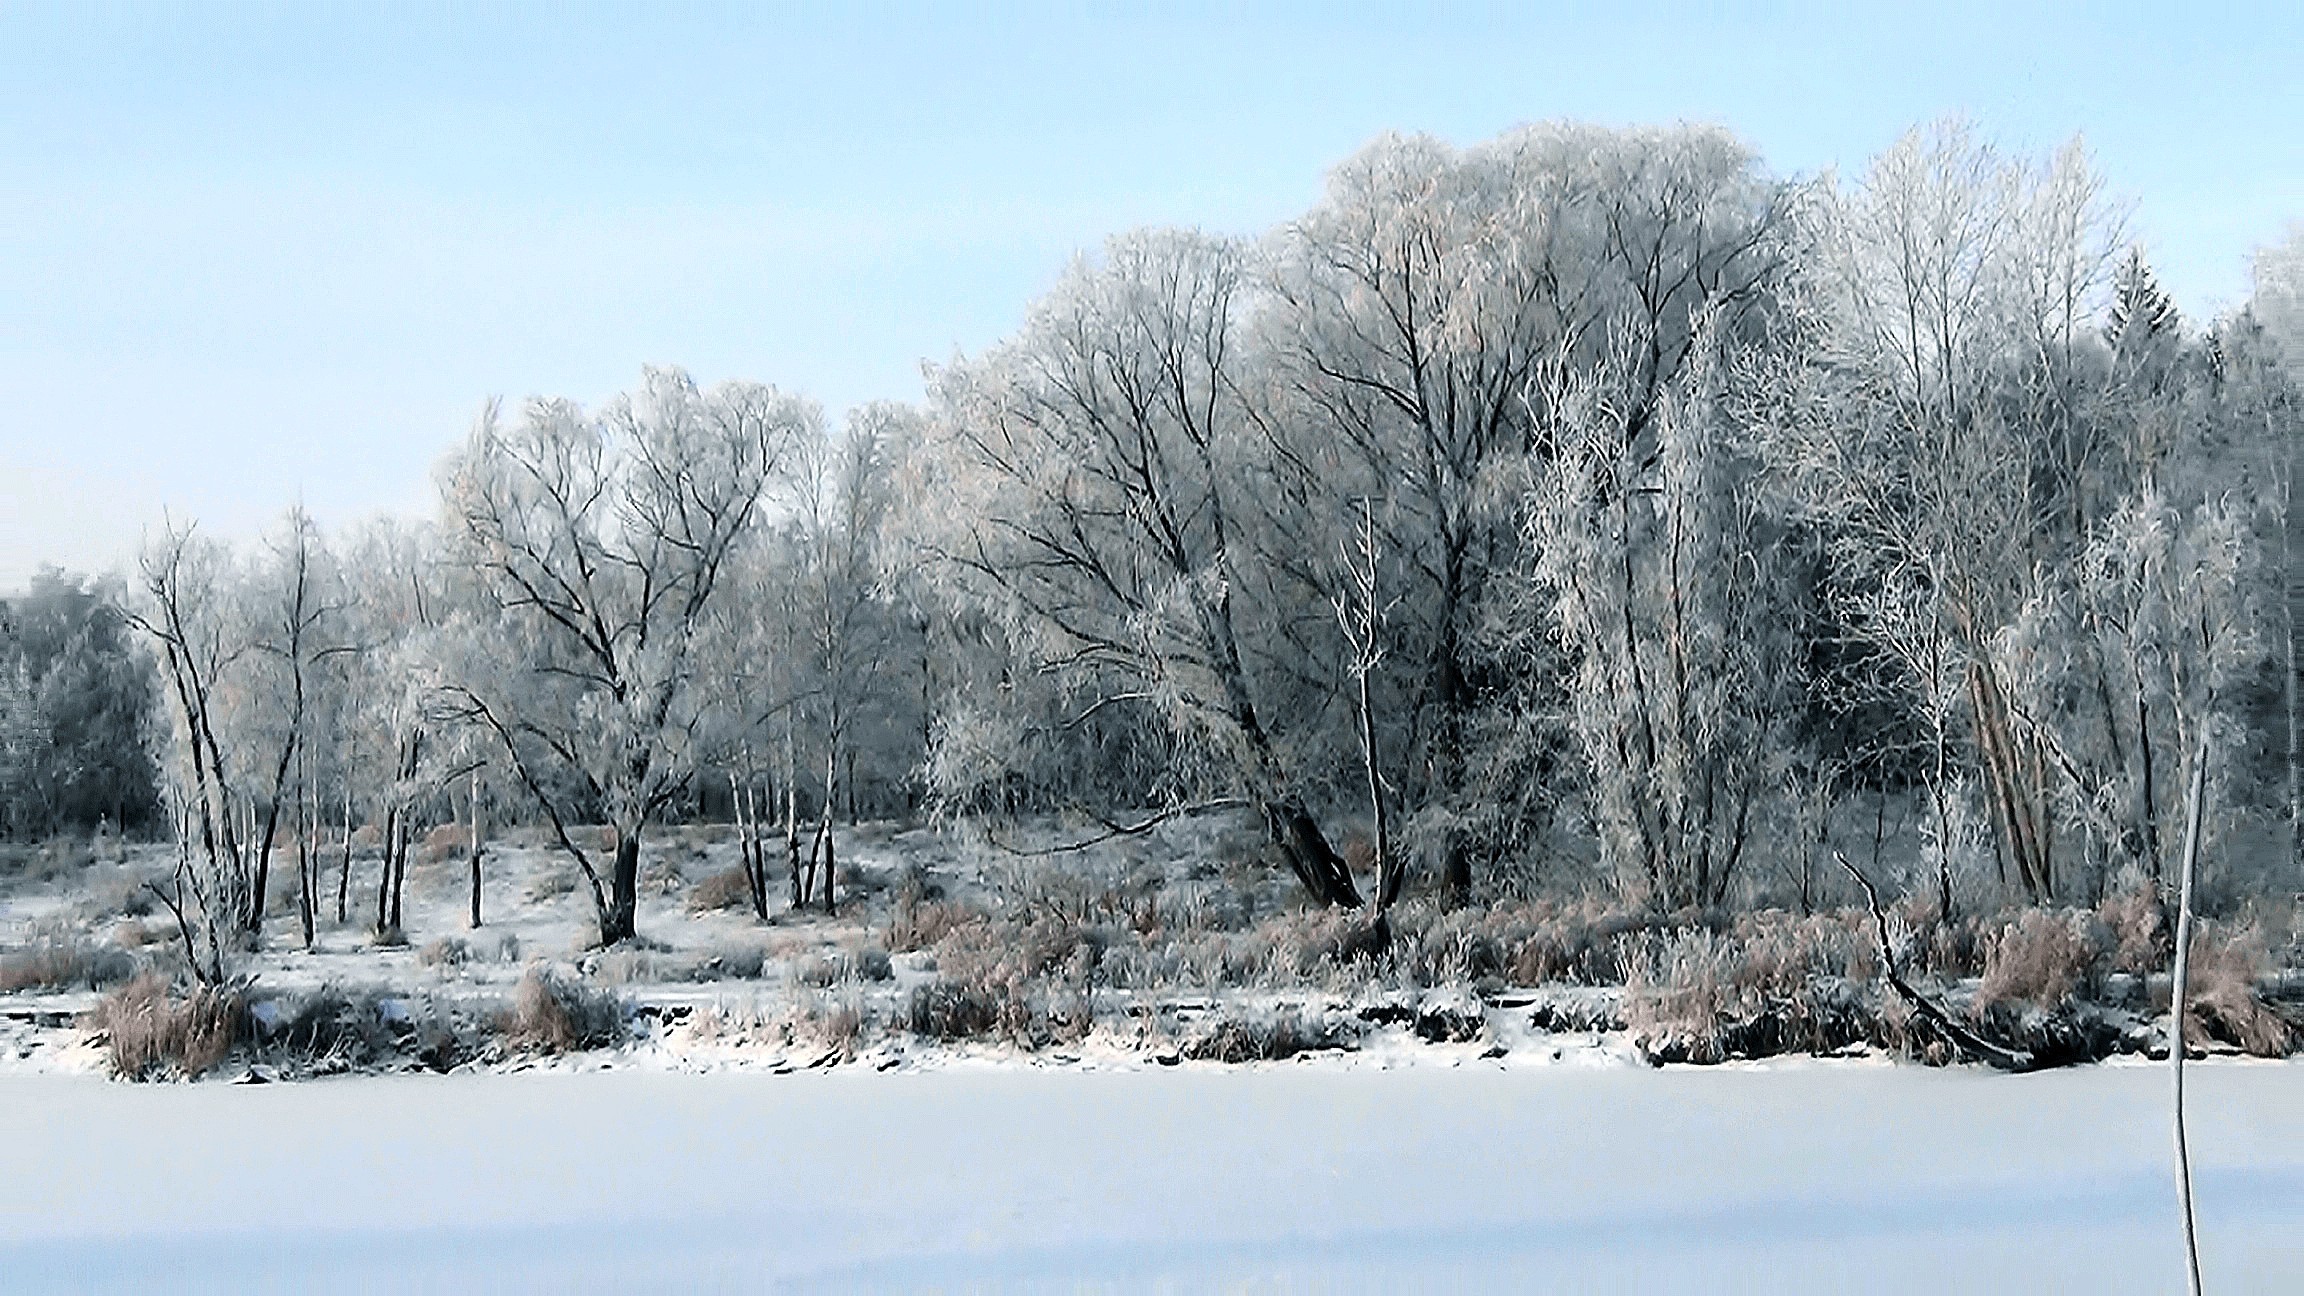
(1968, 1041)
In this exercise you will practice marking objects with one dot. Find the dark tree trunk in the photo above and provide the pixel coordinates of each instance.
(400, 844)
(623, 888)
(344, 872)
(384, 872)
(304, 898)
(831, 772)
(1315, 863)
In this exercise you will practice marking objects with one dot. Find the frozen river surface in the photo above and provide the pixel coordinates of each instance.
(1806, 1177)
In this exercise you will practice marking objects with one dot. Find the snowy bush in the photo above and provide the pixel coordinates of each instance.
(152, 1032)
(551, 1014)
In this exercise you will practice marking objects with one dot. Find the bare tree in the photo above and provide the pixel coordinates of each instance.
(1923, 421)
(849, 630)
(1415, 310)
(598, 542)
(1674, 603)
(1092, 477)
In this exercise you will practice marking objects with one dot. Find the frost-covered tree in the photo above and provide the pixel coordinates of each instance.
(1924, 419)
(598, 542)
(1095, 478)
(1414, 311)
(79, 697)
(1671, 597)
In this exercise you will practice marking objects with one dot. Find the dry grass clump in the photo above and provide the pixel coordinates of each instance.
(123, 896)
(920, 916)
(2045, 957)
(632, 962)
(2225, 969)
(445, 951)
(1526, 943)
(836, 1027)
(135, 933)
(945, 1009)
(663, 869)
(1239, 1036)
(446, 842)
(2137, 921)
(1771, 983)
(552, 1014)
(324, 1030)
(843, 967)
(1028, 980)
(729, 963)
(727, 889)
(58, 961)
(152, 1032)
(551, 882)
(47, 861)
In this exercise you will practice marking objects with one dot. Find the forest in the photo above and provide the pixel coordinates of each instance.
(1584, 556)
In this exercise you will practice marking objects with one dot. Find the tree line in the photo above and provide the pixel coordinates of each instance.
(1588, 506)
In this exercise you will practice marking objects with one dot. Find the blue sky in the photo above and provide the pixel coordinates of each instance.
(255, 254)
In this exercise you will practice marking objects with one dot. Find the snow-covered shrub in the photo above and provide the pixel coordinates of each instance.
(1771, 983)
(920, 916)
(837, 1026)
(1240, 1035)
(2137, 922)
(326, 1029)
(551, 882)
(727, 889)
(445, 951)
(1526, 943)
(1024, 978)
(2044, 957)
(843, 967)
(2226, 968)
(729, 963)
(945, 1009)
(551, 1014)
(151, 1031)
(443, 843)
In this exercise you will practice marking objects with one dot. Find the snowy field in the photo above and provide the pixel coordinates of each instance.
(1275, 1177)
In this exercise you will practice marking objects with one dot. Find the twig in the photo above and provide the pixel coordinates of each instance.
(1113, 830)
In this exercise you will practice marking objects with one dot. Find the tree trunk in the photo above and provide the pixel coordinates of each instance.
(2176, 1007)
(1390, 875)
(304, 899)
(400, 844)
(831, 875)
(344, 869)
(2292, 590)
(617, 923)
(1315, 863)
(792, 818)
(384, 871)
(755, 853)
(476, 849)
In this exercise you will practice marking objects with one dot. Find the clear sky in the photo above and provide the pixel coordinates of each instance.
(256, 254)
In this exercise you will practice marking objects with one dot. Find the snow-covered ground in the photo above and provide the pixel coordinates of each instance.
(1804, 1176)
